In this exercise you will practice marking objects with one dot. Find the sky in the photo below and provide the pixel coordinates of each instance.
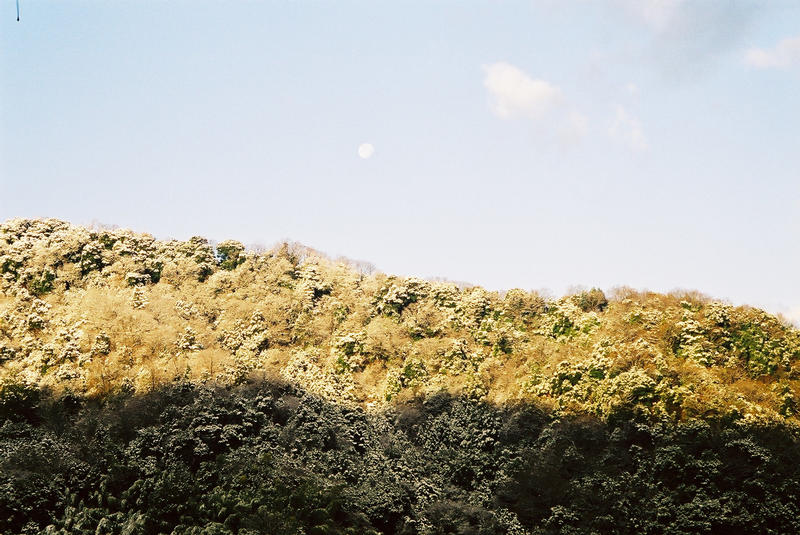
(540, 144)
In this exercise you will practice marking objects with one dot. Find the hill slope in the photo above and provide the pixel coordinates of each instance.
(93, 311)
(178, 387)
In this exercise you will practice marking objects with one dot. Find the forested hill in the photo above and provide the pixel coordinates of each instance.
(94, 312)
(182, 387)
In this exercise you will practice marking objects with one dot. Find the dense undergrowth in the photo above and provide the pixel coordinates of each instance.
(186, 387)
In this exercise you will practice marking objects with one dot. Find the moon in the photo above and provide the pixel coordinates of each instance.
(365, 150)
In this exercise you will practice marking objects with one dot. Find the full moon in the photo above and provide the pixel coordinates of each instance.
(365, 150)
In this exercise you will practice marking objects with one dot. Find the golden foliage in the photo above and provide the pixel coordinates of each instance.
(96, 310)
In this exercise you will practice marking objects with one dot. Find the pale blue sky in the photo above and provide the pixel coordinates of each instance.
(540, 144)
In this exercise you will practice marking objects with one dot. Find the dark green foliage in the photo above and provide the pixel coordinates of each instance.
(230, 254)
(396, 295)
(10, 266)
(91, 256)
(458, 518)
(42, 283)
(269, 459)
(590, 300)
(754, 347)
(18, 402)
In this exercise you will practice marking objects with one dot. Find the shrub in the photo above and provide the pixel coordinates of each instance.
(591, 300)
(230, 254)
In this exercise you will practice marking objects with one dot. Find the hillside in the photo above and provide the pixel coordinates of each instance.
(155, 386)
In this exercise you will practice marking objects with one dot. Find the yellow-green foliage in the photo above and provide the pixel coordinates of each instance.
(93, 311)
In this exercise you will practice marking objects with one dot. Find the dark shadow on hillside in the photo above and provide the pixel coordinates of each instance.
(267, 457)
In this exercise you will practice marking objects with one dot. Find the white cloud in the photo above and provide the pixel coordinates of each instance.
(632, 89)
(628, 129)
(515, 94)
(785, 54)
